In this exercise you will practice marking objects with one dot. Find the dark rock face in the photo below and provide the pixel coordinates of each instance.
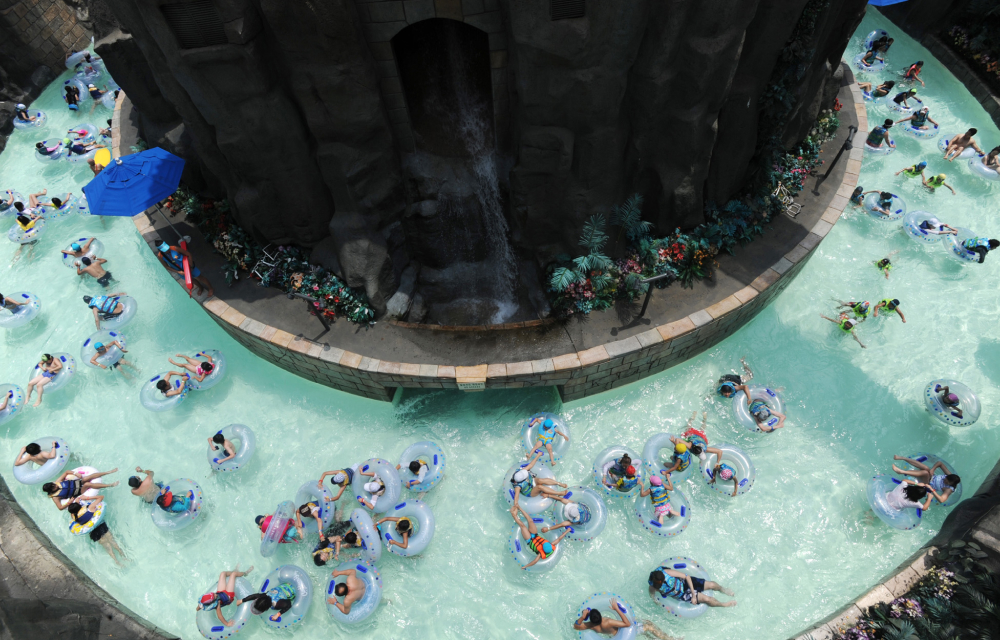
(312, 118)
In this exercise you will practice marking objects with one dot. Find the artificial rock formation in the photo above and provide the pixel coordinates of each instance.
(314, 121)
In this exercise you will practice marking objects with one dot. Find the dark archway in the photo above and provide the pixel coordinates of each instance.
(444, 68)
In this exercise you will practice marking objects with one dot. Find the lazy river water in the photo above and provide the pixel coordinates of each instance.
(793, 549)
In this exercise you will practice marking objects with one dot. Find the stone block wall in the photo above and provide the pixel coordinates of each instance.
(966, 74)
(36, 33)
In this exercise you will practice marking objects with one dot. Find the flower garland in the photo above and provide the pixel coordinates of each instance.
(291, 271)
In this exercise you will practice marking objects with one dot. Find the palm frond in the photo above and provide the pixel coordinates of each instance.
(562, 278)
(593, 237)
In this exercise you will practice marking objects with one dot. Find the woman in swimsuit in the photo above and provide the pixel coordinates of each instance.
(70, 485)
(49, 368)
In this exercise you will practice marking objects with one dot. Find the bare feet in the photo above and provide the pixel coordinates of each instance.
(114, 484)
(731, 603)
(728, 592)
(897, 469)
(897, 457)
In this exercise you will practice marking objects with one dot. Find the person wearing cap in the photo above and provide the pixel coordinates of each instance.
(351, 590)
(659, 494)
(101, 349)
(173, 259)
(889, 306)
(860, 309)
(92, 267)
(145, 488)
(105, 307)
(172, 503)
(293, 528)
(48, 368)
(529, 532)
(529, 485)
(224, 594)
(884, 265)
(728, 382)
(902, 97)
(958, 144)
(680, 460)
(21, 111)
(341, 478)
(78, 250)
(375, 487)
(914, 171)
(670, 583)
(919, 119)
(880, 134)
(981, 246)
(934, 182)
(198, 369)
(577, 514)
(546, 434)
(96, 94)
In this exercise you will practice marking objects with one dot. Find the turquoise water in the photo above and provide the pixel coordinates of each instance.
(794, 549)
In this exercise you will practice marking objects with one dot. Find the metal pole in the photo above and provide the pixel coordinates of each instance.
(649, 292)
(312, 309)
(163, 215)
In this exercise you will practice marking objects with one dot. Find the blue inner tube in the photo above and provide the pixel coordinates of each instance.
(208, 622)
(363, 608)
(30, 473)
(428, 453)
(245, 442)
(877, 490)
(176, 521)
(602, 602)
(896, 210)
(153, 399)
(298, 579)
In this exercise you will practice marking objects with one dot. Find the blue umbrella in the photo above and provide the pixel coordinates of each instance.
(884, 3)
(132, 184)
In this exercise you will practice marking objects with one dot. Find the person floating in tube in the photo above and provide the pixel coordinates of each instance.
(880, 134)
(547, 432)
(224, 594)
(173, 259)
(543, 548)
(942, 485)
(529, 485)
(729, 382)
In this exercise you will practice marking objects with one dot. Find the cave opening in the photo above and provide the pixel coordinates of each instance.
(444, 68)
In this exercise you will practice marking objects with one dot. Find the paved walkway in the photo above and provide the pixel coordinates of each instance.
(389, 342)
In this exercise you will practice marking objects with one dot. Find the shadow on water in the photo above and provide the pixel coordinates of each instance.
(988, 359)
(489, 408)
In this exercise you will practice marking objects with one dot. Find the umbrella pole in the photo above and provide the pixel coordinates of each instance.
(188, 283)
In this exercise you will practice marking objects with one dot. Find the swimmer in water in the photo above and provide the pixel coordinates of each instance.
(846, 325)
(913, 171)
(728, 382)
(888, 307)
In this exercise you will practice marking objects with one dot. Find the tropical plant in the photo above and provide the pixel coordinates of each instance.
(628, 218)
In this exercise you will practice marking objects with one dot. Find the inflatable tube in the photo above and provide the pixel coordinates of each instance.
(898, 107)
(912, 222)
(177, 521)
(37, 123)
(956, 249)
(208, 622)
(108, 99)
(883, 150)
(896, 211)
(91, 132)
(981, 170)
(17, 235)
(422, 522)
(389, 477)
(371, 541)
(967, 402)
(129, 308)
(152, 399)
(30, 473)
(98, 517)
(87, 75)
(654, 464)
(113, 355)
(428, 453)
(876, 492)
(876, 65)
(218, 372)
(740, 462)
(310, 492)
(518, 547)
(757, 392)
(70, 205)
(602, 602)
(80, 157)
(62, 378)
(361, 609)
(930, 460)
(245, 442)
(298, 579)
(96, 250)
(968, 152)
(671, 527)
(929, 132)
(679, 608)
(24, 314)
(873, 36)
(55, 155)
(604, 461)
(537, 504)
(593, 502)
(280, 522)
(529, 436)
(82, 472)
(10, 210)
(15, 401)
(76, 58)
(80, 86)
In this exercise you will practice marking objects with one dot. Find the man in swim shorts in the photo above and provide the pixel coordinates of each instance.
(146, 488)
(669, 583)
(105, 307)
(529, 485)
(728, 382)
(351, 590)
(224, 446)
(958, 144)
(547, 432)
(101, 350)
(942, 484)
(888, 307)
(173, 259)
(529, 532)
(92, 267)
(33, 453)
(224, 594)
